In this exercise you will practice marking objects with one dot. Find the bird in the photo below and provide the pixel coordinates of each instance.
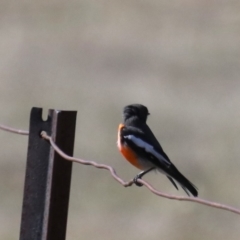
(139, 146)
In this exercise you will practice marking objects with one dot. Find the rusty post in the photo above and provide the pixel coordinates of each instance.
(48, 177)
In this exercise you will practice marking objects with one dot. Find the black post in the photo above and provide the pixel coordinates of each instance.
(48, 177)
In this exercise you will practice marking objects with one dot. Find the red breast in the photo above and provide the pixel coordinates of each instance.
(127, 152)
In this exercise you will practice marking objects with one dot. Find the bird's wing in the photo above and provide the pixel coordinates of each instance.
(139, 141)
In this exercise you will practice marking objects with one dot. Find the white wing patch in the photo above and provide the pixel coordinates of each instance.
(147, 147)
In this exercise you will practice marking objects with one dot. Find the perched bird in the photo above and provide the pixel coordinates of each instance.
(140, 147)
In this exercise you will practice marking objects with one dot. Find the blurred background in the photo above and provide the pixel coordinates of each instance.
(179, 58)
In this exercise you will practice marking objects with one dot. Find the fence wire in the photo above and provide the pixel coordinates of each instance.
(120, 180)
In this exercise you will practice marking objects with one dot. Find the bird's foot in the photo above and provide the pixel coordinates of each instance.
(140, 175)
(135, 180)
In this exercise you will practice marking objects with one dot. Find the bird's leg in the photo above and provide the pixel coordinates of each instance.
(140, 175)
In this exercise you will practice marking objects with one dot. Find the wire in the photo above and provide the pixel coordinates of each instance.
(13, 130)
(120, 180)
(146, 184)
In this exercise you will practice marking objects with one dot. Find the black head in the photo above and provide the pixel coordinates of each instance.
(135, 110)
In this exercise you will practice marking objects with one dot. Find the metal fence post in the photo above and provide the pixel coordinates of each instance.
(48, 177)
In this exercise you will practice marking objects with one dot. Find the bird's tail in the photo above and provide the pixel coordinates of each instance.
(184, 182)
